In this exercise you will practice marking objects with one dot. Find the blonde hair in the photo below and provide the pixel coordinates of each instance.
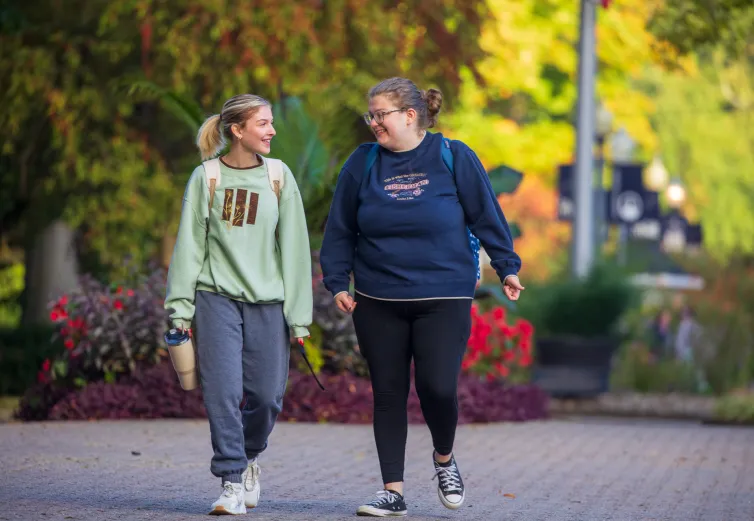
(215, 131)
(406, 95)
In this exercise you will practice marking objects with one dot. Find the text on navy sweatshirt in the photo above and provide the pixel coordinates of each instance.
(401, 228)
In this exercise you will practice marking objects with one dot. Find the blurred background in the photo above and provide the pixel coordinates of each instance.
(100, 102)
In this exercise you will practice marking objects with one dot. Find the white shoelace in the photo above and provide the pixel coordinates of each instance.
(384, 497)
(449, 477)
(228, 489)
(252, 475)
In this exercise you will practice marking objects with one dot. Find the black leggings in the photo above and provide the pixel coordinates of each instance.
(434, 333)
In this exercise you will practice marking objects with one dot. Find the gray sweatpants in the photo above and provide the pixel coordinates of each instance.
(243, 351)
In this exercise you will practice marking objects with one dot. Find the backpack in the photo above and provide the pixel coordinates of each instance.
(447, 158)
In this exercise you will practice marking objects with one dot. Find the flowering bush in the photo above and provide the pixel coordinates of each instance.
(349, 400)
(496, 348)
(105, 331)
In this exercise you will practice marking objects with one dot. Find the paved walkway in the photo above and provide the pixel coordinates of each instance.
(565, 470)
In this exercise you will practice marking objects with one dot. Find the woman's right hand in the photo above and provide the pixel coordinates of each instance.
(345, 302)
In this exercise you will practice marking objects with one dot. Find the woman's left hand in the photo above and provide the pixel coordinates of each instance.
(512, 287)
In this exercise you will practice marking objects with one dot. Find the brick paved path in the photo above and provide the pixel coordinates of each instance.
(565, 470)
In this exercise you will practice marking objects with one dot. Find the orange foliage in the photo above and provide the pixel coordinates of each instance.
(543, 246)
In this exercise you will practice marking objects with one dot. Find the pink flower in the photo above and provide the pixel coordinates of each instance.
(118, 305)
(130, 293)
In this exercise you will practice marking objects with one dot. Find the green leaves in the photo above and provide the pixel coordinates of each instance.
(696, 25)
(182, 108)
(299, 145)
(504, 179)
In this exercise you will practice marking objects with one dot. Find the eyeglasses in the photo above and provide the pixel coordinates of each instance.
(379, 117)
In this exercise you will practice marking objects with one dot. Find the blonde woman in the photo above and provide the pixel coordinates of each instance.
(241, 269)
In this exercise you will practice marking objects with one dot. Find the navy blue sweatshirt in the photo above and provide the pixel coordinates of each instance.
(401, 227)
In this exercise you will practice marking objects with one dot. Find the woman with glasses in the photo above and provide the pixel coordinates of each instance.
(398, 222)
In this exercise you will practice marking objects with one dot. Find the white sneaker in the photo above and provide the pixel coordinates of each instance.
(230, 502)
(251, 487)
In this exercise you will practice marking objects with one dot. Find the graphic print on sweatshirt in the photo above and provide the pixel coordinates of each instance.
(241, 198)
(406, 187)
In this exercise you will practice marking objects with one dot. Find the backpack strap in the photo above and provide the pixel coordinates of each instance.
(447, 158)
(447, 155)
(371, 158)
(276, 176)
(212, 176)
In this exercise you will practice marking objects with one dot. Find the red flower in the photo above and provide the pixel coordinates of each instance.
(69, 344)
(41, 377)
(130, 293)
(525, 345)
(502, 369)
(525, 360)
(509, 355)
(525, 328)
(46, 365)
(63, 301)
(54, 315)
(119, 290)
(498, 313)
(118, 305)
(63, 332)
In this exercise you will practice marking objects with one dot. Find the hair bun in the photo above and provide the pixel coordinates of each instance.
(433, 97)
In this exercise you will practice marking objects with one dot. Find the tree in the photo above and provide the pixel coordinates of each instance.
(77, 149)
(689, 26)
(702, 122)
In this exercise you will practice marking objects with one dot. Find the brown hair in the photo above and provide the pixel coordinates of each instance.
(215, 130)
(405, 94)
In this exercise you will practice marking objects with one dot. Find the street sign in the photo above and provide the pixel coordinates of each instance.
(678, 233)
(631, 202)
(629, 207)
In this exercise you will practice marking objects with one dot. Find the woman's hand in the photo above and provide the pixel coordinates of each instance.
(345, 302)
(512, 287)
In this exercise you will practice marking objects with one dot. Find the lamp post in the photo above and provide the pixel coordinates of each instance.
(583, 218)
(603, 126)
(676, 193)
(675, 236)
(656, 175)
(622, 147)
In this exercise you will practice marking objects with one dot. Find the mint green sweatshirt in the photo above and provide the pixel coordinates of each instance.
(240, 258)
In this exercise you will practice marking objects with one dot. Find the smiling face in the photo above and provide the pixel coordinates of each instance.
(257, 132)
(396, 128)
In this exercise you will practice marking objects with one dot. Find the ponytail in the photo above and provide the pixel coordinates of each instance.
(209, 139)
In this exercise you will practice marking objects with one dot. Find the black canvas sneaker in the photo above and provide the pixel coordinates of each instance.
(387, 504)
(449, 483)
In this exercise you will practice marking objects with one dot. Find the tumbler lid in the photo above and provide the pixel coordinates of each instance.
(176, 337)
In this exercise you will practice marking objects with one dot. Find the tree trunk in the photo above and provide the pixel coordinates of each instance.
(51, 271)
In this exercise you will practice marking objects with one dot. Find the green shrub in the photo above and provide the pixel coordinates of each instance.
(735, 407)
(589, 307)
(22, 353)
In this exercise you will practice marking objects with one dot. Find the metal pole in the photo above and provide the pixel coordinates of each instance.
(600, 208)
(583, 219)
